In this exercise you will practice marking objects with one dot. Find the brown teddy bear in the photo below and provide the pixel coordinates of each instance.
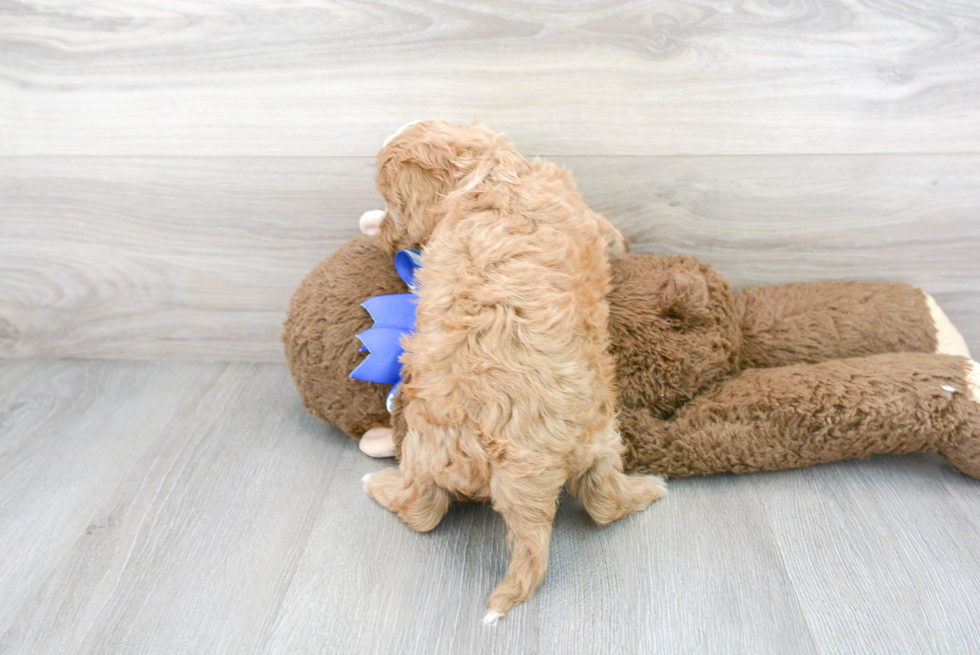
(709, 380)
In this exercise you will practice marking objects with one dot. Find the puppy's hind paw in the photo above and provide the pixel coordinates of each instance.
(657, 486)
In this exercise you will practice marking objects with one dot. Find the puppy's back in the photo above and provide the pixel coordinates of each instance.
(511, 342)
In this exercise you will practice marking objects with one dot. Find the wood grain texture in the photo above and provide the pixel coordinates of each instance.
(661, 582)
(855, 534)
(197, 257)
(765, 220)
(195, 545)
(178, 258)
(312, 78)
(653, 583)
(69, 432)
(221, 518)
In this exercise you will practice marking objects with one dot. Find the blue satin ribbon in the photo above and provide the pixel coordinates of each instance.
(394, 317)
(406, 263)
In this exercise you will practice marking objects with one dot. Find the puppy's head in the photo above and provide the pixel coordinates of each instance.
(420, 166)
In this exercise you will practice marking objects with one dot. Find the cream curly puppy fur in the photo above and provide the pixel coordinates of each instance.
(508, 393)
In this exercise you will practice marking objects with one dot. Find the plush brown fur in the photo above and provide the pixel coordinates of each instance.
(508, 391)
(693, 399)
(678, 330)
(325, 314)
(803, 414)
(668, 359)
(810, 323)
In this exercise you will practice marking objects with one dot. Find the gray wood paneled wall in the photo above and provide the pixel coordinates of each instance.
(170, 171)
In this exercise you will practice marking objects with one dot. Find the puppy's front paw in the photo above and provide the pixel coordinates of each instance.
(617, 246)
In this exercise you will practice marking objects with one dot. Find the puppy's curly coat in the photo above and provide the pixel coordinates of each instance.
(508, 392)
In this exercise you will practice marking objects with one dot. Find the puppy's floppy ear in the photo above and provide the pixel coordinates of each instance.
(429, 162)
(413, 194)
(488, 155)
(445, 151)
(471, 146)
(435, 157)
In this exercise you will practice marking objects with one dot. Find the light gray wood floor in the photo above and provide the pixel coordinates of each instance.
(197, 508)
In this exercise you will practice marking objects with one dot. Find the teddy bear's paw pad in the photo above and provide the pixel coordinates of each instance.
(949, 341)
(378, 442)
(973, 381)
(370, 222)
(490, 618)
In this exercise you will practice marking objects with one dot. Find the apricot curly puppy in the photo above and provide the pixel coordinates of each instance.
(508, 393)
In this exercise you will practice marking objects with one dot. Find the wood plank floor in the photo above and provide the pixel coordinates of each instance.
(196, 508)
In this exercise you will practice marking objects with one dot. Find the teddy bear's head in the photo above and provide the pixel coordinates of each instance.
(319, 335)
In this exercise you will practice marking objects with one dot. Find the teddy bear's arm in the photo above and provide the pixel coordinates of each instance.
(804, 414)
(815, 322)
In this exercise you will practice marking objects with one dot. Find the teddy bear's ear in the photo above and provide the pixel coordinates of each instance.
(684, 297)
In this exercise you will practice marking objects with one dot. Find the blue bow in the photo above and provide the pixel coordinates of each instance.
(394, 317)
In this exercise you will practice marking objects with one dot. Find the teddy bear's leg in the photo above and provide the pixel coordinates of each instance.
(609, 494)
(815, 322)
(420, 504)
(647, 443)
(528, 505)
(804, 414)
(962, 450)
